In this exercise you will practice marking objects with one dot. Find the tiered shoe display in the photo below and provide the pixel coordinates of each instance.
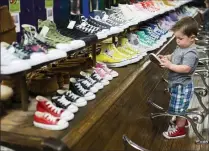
(51, 41)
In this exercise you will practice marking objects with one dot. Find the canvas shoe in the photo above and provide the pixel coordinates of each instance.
(77, 88)
(131, 56)
(11, 64)
(47, 121)
(133, 50)
(86, 84)
(114, 27)
(84, 26)
(104, 75)
(123, 53)
(73, 32)
(72, 97)
(117, 17)
(107, 56)
(172, 123)
(121, 13)
(177, 132)
(62, 102)
(95, 76)
(108, 71)
(128, 14)
(94, 83)
(30, 35)
(32, 58)
(45, 105)
(48, 30)
(133, 39)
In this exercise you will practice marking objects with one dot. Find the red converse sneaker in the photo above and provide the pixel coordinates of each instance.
(45, 105)
(47, 121)
(178, 132)
(172, 123)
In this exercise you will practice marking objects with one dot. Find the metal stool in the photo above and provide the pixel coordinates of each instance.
(194, 118)
(127, 142)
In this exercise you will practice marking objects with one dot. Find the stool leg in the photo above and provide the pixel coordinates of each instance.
(199, 98)
(201, 140)
(21, 82)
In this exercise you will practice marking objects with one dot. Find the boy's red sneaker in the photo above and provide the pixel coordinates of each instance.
(172, 123)
(178, 132)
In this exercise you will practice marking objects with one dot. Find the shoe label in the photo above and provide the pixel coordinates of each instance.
(39, 37)
(44, 31)
(71, 24)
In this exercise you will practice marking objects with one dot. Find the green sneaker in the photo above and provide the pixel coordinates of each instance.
(49, 31)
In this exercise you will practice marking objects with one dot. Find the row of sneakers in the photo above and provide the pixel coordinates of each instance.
(121, 54)
(134, 46)
(54, 114)
(114, 20)
(48, 44)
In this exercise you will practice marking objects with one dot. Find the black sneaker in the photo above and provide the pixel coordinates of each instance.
(78, 89)
(84, 26)
(88, 77)
(72, 97)
(62, 102)
(87, 85)
(75, 33)
(97, 78)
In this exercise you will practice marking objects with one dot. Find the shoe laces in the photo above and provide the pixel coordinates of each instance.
(96, 76)
(80, 88)
(100, 71)
(113, 17)
(85, 26)
(72, 95)
(64, 101)
(30, 40)
(49, 117)
(20, 52)
(53, 108)
(173, 131)
(86, 82)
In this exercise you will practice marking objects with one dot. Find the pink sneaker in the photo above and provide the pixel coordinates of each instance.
(103, 74)
(106, 69)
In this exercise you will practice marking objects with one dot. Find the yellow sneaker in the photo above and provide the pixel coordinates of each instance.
(166, 2)
(129, 47)
(111, 57)
(133, 58)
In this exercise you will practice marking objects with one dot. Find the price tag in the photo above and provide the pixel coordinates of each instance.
(71, 24)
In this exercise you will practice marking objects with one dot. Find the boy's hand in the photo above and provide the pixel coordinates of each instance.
(165, 63)
(161, 56)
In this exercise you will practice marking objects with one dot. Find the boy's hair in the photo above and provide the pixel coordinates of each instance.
(207, 1)
(187, 25)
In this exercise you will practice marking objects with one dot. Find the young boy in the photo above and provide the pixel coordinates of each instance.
(181, 65)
